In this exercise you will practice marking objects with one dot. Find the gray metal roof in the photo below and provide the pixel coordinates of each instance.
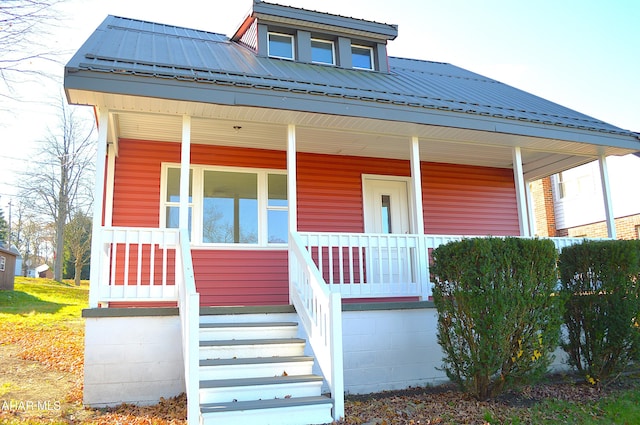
(140, 51)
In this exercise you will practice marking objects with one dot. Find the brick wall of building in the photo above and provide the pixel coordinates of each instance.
(627, 227)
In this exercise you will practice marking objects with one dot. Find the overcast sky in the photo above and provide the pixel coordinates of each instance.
(583, 54)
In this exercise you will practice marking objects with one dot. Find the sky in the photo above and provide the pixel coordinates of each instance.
(583, 54)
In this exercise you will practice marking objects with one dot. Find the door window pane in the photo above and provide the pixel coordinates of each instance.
(230, 207)
(386, 214)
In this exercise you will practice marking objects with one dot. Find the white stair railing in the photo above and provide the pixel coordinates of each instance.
(189, 307)
(320, 312)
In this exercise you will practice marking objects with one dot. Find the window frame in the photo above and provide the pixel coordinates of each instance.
(279, 34)
(333, 51)
(3, 262)
(371, 57)
(197, 204)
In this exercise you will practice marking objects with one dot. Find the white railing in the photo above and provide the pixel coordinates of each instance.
(189, 308)
(135, 264)
(320, 312)
(359, 265)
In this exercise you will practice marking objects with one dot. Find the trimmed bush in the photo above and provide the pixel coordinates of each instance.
(600, 284)
(497, 319)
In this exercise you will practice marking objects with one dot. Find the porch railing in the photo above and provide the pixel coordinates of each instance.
(363, 265)
(135, 264)
(320, 312)
(189, 308)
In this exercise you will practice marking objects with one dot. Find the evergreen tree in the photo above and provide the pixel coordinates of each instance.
(4, 227)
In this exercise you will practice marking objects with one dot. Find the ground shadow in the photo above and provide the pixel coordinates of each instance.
(17, 302)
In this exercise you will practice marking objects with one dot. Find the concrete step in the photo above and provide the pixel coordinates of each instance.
(257, 367)
(247, 389)
(249, 330)
(229, 349)
(281, 411)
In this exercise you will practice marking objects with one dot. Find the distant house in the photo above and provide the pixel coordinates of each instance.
(266, 204)
(7, 267)
(571, 204)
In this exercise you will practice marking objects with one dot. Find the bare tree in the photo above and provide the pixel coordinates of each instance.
(24, 25)
(59, 185)
(78, 243)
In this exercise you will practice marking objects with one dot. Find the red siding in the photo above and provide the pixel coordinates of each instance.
(136, 198)
(330, 190)
(241, 277)
(462, 199)
(457, 200)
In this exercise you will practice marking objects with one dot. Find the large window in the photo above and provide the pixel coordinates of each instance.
(230, 205)
(362, 57)
(322, 51)
(280, 46)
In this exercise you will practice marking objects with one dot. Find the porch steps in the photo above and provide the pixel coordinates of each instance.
(256, 372)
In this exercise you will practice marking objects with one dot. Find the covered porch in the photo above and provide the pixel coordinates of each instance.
(384, 259)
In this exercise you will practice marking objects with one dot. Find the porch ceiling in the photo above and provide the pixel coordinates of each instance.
(161, 120)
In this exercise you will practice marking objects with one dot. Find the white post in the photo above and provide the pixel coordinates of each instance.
(518, 176)
(422, 256)
(98, 197)
(416, 182)
(530, 211)
(108, 199)
(337, 361)
(606, 194)
(185, 161)
(292, 177)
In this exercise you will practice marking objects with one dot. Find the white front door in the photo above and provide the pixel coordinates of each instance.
(386, 210)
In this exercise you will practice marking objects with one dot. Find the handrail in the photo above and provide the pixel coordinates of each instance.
(189, 307)
(320, 312)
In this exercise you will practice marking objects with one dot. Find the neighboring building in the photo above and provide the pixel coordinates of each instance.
(7, 267)
(266, 203)
(571, 203)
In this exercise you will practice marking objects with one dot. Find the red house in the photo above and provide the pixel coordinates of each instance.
(266, 204)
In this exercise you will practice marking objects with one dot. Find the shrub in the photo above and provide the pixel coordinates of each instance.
(497, 319)
(599, 280)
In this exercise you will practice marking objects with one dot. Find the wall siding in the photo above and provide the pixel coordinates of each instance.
(457, 200)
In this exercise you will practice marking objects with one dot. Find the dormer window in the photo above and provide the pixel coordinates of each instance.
(361, 57)
(280, 46)
(322, 51)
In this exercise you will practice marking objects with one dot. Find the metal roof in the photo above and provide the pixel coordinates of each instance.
(135, 49)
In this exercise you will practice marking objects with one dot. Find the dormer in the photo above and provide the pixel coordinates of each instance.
(307, 36)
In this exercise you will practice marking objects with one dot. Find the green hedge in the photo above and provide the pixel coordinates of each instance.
(599, 281)
(497, 319)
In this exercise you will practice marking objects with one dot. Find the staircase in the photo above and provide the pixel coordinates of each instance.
(253, 371)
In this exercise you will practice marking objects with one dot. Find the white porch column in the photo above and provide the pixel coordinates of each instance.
(185, 160)
(98, 204)
(292, 176)
(416, 183)
(518, 175)
(108, 199)
(530, 211)
(606, 195)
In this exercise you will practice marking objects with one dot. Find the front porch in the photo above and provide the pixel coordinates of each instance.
(152, 267)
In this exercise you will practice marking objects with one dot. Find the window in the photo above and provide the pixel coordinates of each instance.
(362, 57)
(229, 205)
(280, 46)
(2, 263)
(322, 51)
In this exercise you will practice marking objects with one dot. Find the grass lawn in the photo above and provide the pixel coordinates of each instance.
(41, 360)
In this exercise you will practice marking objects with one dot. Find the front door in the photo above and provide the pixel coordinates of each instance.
(386, 210)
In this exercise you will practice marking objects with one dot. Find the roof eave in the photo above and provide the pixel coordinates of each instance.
(230, 95)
